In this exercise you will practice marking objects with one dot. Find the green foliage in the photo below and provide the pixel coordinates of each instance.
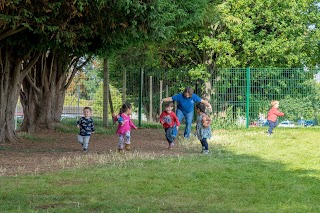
(115, 96)
(225, 121)
(248, 34)
(72, 100)
(199, 72)
(297, 108)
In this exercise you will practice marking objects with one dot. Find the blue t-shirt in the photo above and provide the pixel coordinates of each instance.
(186, 105)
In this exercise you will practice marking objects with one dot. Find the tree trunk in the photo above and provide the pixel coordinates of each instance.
(12, 70)
(43, 92)
(105, 91)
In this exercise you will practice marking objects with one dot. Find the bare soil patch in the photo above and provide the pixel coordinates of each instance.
(40, 154)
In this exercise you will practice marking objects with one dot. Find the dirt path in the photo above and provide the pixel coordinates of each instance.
(42, 152)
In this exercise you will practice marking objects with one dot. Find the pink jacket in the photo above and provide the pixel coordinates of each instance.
(273, 114)
(127, 124)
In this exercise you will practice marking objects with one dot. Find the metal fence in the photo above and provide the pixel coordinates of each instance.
(239, 97)
(244, 95)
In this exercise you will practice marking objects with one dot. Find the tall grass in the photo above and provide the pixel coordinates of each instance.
(245, 172)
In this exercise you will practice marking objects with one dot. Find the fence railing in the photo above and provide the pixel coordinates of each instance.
(239, 96)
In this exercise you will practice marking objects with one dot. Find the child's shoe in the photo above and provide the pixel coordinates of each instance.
(205, 152)
(203, 149)
(170, 146)
(127, 147)
(120, 150)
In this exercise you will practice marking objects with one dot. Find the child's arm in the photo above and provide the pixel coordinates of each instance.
(132, 124)
(78, 123)
(278, 113)
(92, 127)
(206, 121)
(115, 117)
(161, 121)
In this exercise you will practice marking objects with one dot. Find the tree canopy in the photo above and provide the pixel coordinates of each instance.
(250, 34)
(62, 30)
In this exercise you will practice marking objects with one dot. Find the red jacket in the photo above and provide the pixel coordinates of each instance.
(169, 119)
(273, 114)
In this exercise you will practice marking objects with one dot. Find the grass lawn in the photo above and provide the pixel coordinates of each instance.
(246, 171)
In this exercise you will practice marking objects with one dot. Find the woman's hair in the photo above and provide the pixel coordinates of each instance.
(201, 107)
(274, 102)
(188, 90)
(125, 107)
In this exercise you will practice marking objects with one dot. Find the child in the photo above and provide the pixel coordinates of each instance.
(203, 127)
(124, 126)
(169, 120)
(273, 115)
(85, 124)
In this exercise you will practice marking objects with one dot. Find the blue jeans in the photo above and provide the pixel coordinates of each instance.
(188, 117)
(204, 144)
(84, 141)
(272, 125)
(169, 134)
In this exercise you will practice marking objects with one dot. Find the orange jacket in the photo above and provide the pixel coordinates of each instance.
(273, 114)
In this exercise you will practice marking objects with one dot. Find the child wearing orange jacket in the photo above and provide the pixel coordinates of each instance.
(273, 115)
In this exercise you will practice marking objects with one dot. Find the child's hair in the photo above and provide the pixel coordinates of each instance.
(125, 107)
(168, 104)
(188, 90)
(274, 102)
(87, 108)
(201, 107)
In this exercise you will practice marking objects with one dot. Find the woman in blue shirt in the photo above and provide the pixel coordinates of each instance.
(185, 107)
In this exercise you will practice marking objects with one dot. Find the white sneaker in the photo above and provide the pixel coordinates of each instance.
(203, 149)
(205, 152)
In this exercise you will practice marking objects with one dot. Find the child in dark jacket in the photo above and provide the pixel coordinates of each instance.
(85, 124)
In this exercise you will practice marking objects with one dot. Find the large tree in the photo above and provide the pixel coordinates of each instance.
(77, 28)
(253, 33)
(17, 56)
(43, 89)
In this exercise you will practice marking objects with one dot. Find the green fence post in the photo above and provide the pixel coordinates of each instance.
(140, 97)
(247, 97)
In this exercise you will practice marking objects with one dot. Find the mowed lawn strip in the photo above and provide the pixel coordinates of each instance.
(245, 172)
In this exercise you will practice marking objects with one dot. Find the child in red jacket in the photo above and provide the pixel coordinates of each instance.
(169, 120)
(273, 115)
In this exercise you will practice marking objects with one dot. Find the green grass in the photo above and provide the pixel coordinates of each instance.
(245, 172)
(29, 136)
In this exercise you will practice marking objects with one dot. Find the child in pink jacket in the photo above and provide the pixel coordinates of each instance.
(273, 115)
(124, 126)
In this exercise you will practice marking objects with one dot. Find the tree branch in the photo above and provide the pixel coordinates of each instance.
(29, 66)
(74, 71)
(11, 32)
(34, 86)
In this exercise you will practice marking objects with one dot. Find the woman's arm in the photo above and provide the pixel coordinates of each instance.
(208, 105)
(168, 99)
(206, 121)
